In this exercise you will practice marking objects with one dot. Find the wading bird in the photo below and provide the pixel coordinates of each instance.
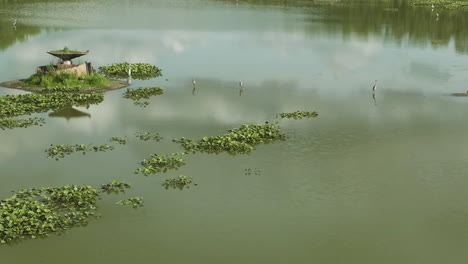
(374, 87)
(241, 83)
(14, 23)
(194, 82)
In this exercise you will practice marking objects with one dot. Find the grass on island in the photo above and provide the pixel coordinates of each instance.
(66, 50)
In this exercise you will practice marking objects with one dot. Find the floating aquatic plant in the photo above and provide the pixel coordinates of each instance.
(115, 187)
(34, 213)
(140, 71)
(298, 114)
(142, 93)
(119, 140)
(145, 136)
(177, 183)
(7, 123)
(160, 163)
(60, 151)
(135, 202)
(254, 171)
(25, 104)
(237, 141)
(449, 4)
(66, 82)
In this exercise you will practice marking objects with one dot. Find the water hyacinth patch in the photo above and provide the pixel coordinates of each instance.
(139, 71)
(145, 136)
(60, 151)
(119, 140)
(160, 163)
(177, 183)
(115, 187)
(25, 104)
(237, 141)
(34, 213)
(135, 202)
(6, 123)
(298, 114)
(142, 93)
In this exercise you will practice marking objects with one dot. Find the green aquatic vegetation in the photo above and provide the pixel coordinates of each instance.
(145, 136)
(6, 123)
(119, 140)
(67, 82)
(177, 183)
(298, 114)
(448, 4)
(237, 141)
(25, 104)
(140, 71)
(60, 151)
(160, 163)
(37, 213)
(115, 187)
(142, 93)
(135, 202)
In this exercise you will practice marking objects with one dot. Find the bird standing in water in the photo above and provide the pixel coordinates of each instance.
(14, 23)
(374, 88)
(194, 82)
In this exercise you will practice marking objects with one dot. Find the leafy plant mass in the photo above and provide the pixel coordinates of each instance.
(66, 50)
(162, 163)
(140, 71)
(238, 141)
(34, 213)
(115, 187)
(60, 151)
(142, 93)
(299, 114)
(67, 82)
(119, 140)
(177, 183)
(449, 4)
(135, 202)
(25, 104)
(7, 123)
(145, 136)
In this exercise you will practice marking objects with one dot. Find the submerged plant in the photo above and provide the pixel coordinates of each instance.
(7, 123)
(161, 163)
(298, 114)
(115, 187)
(177, 183)
(119, 140)
(34, 213)
(140, 71)
(237, 141)
(135, 202)
(145, 136)
(60, 151)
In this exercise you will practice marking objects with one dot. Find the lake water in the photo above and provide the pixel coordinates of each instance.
(371, 180)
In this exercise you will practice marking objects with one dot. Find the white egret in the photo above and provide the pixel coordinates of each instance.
(194, 82)
(374, 87)
(14, 23)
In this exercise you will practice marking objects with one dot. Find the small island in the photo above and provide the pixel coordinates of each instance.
(66, 76)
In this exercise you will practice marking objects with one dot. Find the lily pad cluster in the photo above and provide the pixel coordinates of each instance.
(145, 136)
(26, 104)
(135, 202)
(60, 151)
(8, 123)
(160, 163)
(237, 141)
(298, 114)
(177, 183)
(34, 213)
(139, 71)
(115, 187)
(137, 95)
